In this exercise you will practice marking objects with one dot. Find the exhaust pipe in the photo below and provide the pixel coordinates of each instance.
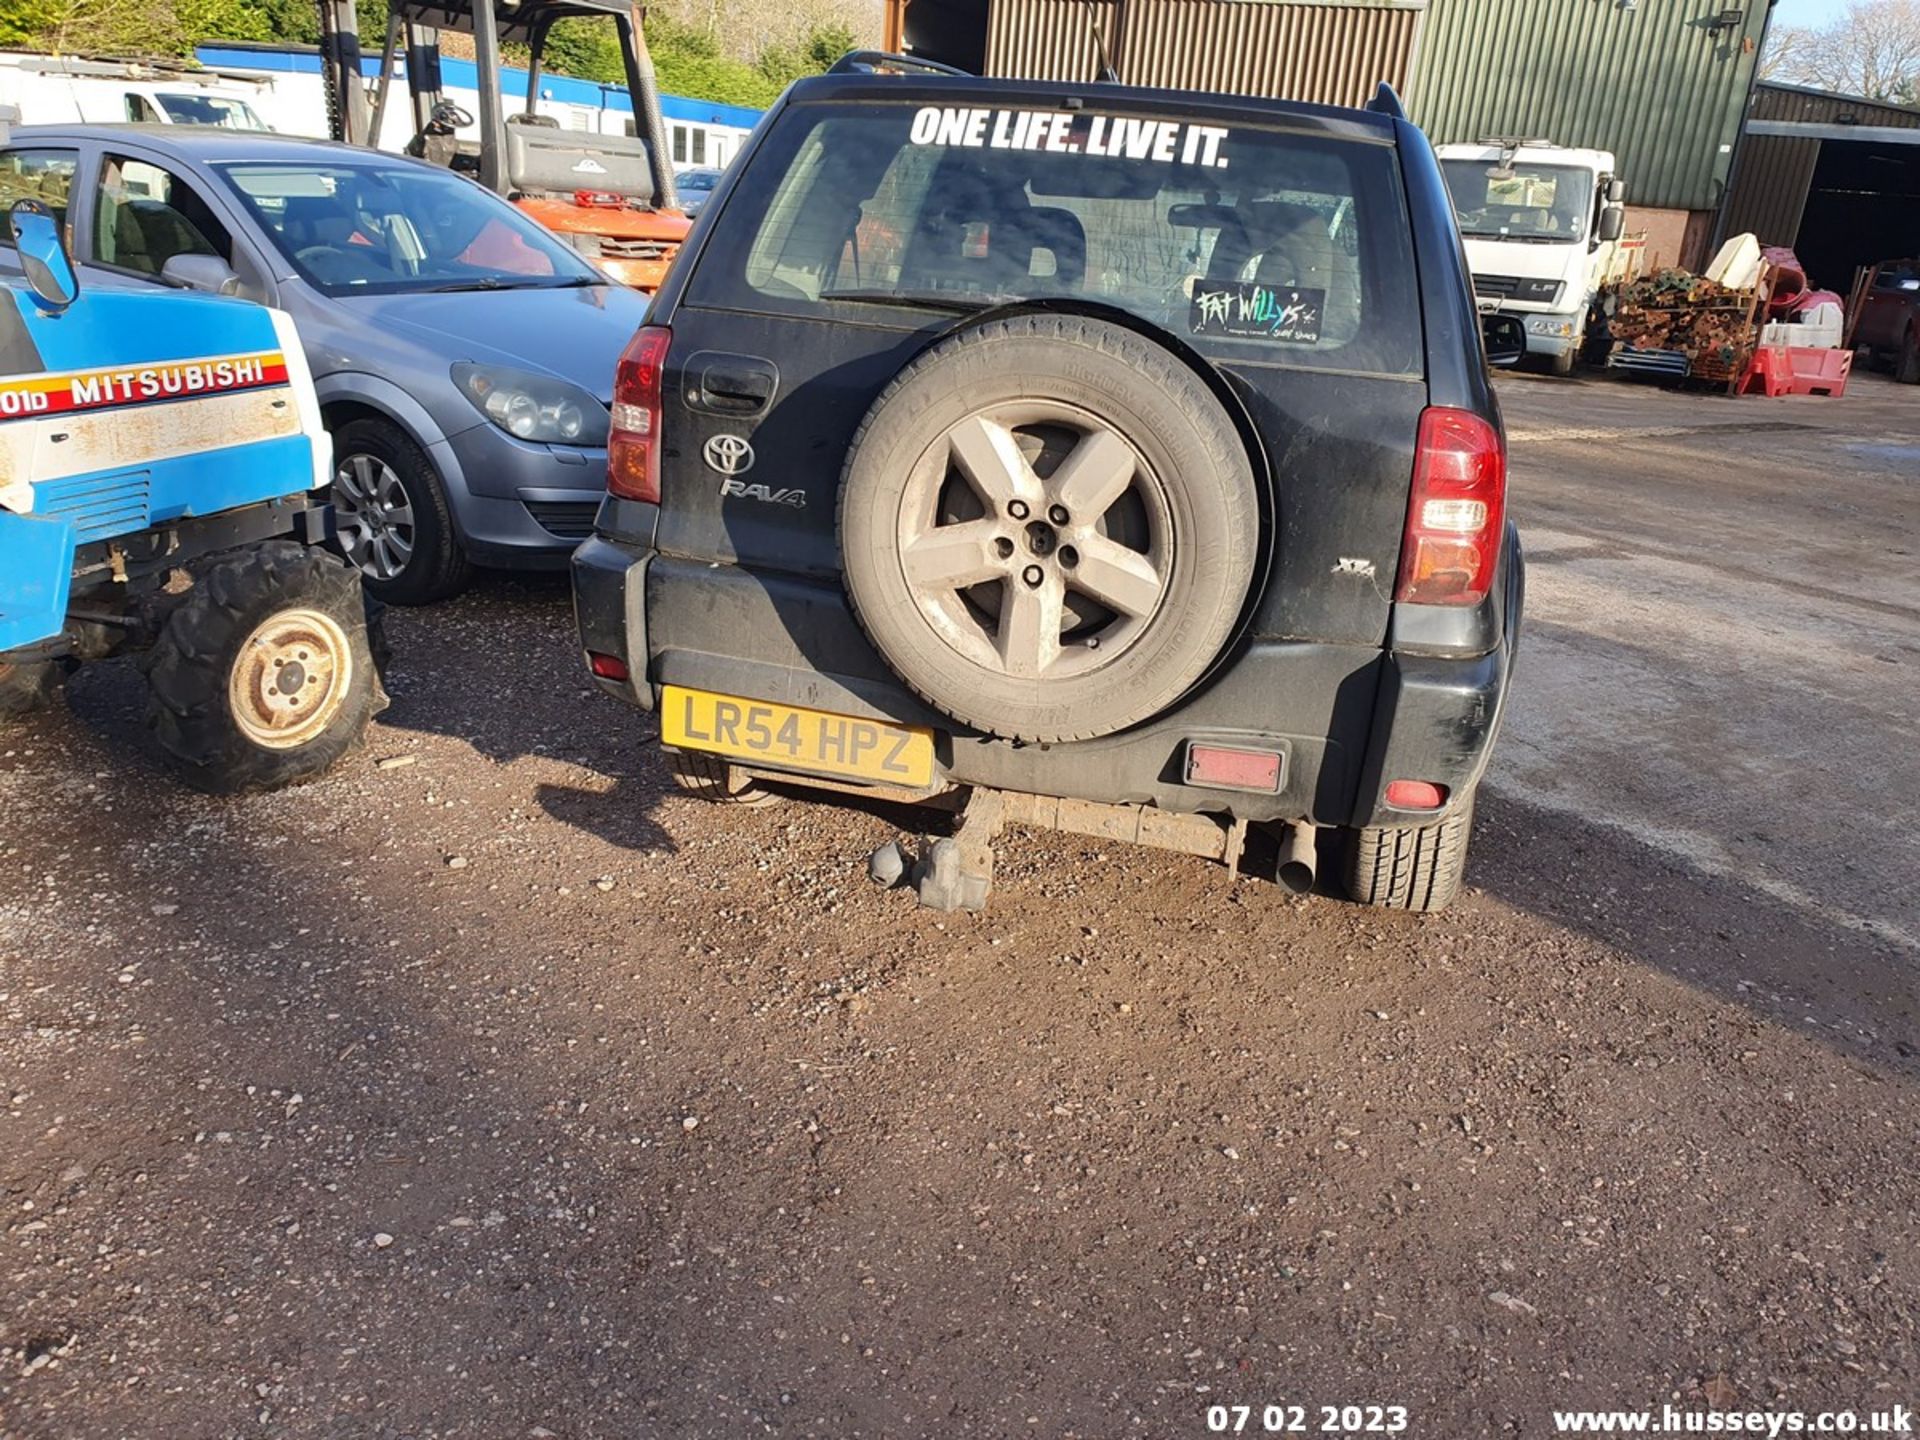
(1297, 857)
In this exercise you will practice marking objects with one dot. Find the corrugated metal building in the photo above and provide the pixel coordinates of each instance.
(1331, 51)
(1834, 176)
(1661, 83)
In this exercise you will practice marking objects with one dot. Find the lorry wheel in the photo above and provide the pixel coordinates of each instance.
(712, 778)
(395, 524)
(1048, 527)
(1907, 368)
(264, 675)
(1562, 364)
(26, 686)
(1417, 867)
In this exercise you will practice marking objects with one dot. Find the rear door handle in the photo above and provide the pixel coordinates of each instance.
(730, 384)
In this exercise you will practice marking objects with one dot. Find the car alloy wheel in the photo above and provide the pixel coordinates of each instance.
(375, 516)
(1059, 572)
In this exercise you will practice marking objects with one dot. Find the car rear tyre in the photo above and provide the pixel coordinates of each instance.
(264, 676)
(1417, 867)
(1049, 526)
(26, 686)
(712, 778)
(1907, 368)
(395, 526)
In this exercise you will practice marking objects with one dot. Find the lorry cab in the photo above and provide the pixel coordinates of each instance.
(1542, 226)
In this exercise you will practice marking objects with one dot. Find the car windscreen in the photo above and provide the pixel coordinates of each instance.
(1266, 243)
(372, 229)
(1522, 201)
(222, 110)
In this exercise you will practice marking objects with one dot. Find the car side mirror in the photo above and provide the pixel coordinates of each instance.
(1613, 223)
(43, 255)
(201, 272)
(1505, 338)
(1616, 191)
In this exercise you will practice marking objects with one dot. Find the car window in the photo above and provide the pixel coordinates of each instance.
(1260, 242)
(1894, 277)
(364, 229)
(1521, 201)
(141, 112)
(225, 111)
(145, 215)
(43, 175)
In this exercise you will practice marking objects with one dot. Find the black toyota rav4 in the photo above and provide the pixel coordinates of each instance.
(1116, 460)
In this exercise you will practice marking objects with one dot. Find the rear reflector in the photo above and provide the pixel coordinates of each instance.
(1457, 511)
(633, 449)
(1416, 795)
(608, 667)
(1224, 769)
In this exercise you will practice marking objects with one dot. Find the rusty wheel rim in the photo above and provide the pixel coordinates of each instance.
(290, 679)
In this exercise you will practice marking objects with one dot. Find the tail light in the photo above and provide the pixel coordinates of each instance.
(633, 449)
(1458, 510)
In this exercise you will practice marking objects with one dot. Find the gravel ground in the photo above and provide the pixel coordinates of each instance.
(490, 1088)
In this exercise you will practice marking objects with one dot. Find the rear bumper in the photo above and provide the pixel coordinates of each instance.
(1348, 719)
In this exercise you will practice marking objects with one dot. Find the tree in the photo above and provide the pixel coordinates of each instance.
(1872, 50)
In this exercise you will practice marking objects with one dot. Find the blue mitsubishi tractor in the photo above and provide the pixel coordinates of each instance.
(162, 474)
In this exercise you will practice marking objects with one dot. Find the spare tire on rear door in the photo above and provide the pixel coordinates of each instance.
(1048, 526)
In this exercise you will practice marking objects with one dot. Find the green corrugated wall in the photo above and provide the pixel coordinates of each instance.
(1661, 84)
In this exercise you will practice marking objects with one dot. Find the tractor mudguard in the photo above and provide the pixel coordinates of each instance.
(35, 579)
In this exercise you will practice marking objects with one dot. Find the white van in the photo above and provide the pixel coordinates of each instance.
(63, 89)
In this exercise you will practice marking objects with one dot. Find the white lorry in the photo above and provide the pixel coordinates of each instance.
(68, 89)
(1542, 225)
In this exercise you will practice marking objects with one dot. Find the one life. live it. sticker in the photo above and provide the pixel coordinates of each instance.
(1062, 132)
(1250, 310)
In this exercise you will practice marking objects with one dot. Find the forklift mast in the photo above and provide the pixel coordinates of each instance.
(347, 118)
(417, 23)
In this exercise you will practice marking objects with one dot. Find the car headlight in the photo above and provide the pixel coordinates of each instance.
(1549, 325)
(533, 407)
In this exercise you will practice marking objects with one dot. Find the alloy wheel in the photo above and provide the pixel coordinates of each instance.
(1036, 539)
(375, 516)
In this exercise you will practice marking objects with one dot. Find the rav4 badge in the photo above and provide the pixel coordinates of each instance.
(767, 494)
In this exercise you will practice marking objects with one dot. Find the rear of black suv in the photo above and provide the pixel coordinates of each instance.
(1132, 449)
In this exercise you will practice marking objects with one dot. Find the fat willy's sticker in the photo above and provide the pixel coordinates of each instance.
(1252, 311)
(1123, 137)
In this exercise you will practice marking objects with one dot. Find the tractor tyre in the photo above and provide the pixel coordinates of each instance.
(265, 675)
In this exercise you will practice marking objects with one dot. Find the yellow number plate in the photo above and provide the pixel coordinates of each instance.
(789, 738)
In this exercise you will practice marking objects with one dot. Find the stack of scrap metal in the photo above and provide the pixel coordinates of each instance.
(1677, 323)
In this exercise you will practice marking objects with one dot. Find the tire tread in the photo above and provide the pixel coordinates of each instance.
(1416, 868)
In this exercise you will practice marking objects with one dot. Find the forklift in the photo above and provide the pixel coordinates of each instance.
(611, 197)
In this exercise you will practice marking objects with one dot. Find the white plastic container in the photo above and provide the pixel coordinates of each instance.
(1737, 265)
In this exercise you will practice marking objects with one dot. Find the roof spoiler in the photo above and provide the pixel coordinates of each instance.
(1386, 102)
(879, 62)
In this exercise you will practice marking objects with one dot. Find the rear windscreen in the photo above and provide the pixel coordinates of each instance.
(1257, 243)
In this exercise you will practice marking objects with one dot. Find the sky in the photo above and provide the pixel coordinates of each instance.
(1807, 13)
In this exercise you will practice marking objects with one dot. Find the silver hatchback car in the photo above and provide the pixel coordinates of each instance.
(463, 355)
